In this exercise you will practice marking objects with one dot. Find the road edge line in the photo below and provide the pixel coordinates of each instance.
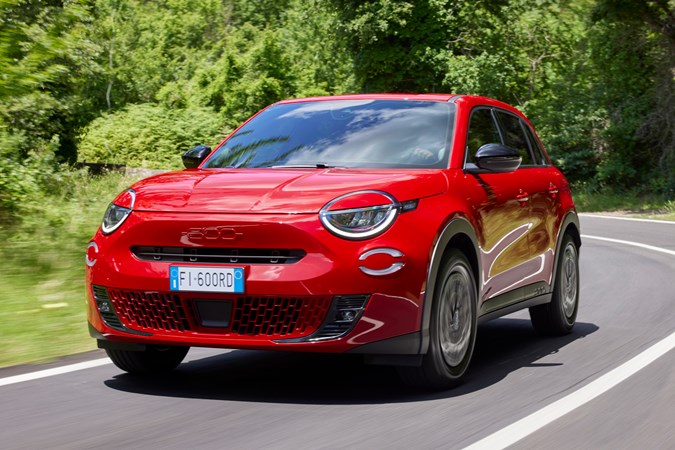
(631, 243)
(524, 427)
(55, 371)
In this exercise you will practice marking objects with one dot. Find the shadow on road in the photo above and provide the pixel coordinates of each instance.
(503, 346)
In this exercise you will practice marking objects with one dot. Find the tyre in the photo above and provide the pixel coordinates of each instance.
(452, 331)
(155, 359)
(558, 317)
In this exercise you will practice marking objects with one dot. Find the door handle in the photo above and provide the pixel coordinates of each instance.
(552, 189)
(523, 196)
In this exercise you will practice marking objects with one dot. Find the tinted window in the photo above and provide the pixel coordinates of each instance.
(343, 133)
(514, 136)
(482, 130)
(537, 151)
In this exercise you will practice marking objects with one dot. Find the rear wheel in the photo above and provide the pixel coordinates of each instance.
(154, 359)
(558, 317)
(452, 330)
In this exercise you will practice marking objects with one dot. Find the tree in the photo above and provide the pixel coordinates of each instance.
(47, 64)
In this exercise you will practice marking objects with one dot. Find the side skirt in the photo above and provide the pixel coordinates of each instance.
(490, 312)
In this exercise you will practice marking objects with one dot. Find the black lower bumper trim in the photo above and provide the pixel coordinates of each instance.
(113, 345)
(407, 344)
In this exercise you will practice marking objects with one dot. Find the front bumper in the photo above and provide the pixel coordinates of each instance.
(322, 302)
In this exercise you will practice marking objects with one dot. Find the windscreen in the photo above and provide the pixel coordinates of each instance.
(343, 133)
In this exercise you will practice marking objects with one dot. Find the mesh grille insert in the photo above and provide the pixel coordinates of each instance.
(278, 316)
(271, 317)
(150, 311)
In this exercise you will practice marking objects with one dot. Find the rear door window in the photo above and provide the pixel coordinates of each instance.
(514, 136)
(537, 150)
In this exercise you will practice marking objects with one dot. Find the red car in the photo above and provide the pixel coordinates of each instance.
(385, 225)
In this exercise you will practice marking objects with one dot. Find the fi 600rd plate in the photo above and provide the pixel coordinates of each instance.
(206, 279)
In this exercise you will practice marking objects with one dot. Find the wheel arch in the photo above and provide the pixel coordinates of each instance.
(570, 225)
(458, 234)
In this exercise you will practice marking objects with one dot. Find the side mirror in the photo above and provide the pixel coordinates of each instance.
(195, 156)
(497, 158)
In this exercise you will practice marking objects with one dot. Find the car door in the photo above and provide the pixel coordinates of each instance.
(537, 187)
(545, 208)
(501, 211)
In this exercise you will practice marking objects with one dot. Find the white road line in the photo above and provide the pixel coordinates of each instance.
(634, 244)
(55, 371)
(528, 425)
(631, 219)
(539, 419)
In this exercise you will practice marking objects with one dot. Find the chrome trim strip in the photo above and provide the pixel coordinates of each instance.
(384, 250)
(381, 272)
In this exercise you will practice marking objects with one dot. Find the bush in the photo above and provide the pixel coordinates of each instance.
(26, 174)
(147, 135)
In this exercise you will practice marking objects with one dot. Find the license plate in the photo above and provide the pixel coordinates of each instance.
(207, 279)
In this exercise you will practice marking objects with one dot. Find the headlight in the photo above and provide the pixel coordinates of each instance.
(118, 211)
(360, 215)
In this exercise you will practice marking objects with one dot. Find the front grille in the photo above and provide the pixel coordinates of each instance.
(272, 317)
(278, 316)
(218, 255)
(150, 311)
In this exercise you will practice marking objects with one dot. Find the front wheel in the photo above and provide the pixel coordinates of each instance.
(154, 359)
(452, 330)
(558, 317)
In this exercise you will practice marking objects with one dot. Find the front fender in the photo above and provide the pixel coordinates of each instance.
(458, 233)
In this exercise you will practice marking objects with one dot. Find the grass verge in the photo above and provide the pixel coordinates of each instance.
(629, 204)
(42, 311)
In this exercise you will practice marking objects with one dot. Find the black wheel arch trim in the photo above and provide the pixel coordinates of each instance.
(457, 226)
(571, 223)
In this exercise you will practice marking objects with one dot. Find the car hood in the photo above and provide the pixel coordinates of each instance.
(276, 190)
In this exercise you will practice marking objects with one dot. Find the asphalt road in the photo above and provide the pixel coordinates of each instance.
(241, 399)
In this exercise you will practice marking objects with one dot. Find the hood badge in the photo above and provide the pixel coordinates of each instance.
(198, 235)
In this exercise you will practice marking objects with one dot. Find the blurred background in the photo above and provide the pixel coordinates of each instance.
(135, 83)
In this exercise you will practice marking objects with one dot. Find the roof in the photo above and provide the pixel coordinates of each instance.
(392, 96)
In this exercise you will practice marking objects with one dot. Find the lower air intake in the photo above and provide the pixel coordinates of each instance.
(344, 314)
(106, 309)
(251, 316)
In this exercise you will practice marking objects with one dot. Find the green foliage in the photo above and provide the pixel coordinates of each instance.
(148, 135)
(252, 73)
(150, 44)
(47, 64)
(42, 310)
(395, 44)
(23, 179)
